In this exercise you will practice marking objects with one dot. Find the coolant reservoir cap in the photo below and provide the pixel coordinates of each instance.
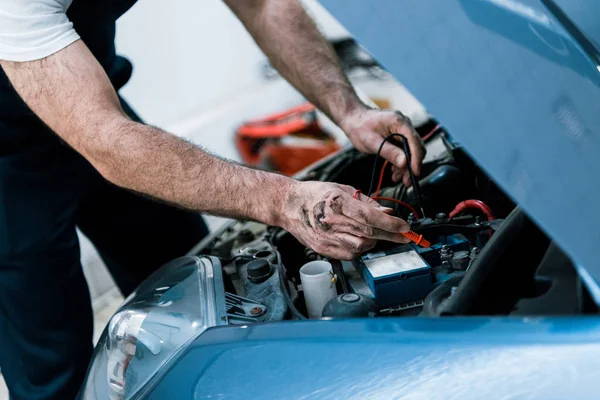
(350, 305)
(259, 270)
(350, 298)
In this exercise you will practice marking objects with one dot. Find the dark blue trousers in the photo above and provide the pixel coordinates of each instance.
(46, 191)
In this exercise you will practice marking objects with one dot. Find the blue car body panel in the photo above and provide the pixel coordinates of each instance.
(584, 13)
(391, 358)
(512, 84)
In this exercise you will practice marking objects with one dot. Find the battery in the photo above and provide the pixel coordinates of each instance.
(432, 254)
(398, 276)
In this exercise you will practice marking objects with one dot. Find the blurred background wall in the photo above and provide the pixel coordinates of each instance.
(206, 56)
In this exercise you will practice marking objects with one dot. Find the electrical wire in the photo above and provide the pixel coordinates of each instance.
(413, 236)
(402, 203)
(406, 152)
(431, 132)
(385, 139)
(413, 179)
(385, 164)
(477, 204)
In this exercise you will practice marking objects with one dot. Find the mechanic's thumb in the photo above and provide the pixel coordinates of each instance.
(394, 155)
(386, 210)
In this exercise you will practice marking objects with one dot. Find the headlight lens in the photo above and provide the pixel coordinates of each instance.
(169, 309)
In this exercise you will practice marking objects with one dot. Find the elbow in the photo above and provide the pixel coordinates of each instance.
(106, 148)
(110, 174)
(109, 170)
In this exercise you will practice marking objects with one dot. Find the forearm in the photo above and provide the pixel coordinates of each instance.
(291, 40)
(151, 161)
(73, 96)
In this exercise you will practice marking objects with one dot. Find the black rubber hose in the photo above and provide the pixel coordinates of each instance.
(435, 299)
(284, 286)
(338, 270)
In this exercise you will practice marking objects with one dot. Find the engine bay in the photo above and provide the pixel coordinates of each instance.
(486, 255)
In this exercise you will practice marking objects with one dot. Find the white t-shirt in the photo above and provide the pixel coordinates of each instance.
(34, 29)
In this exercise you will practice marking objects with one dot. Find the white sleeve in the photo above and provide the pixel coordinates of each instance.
(34, 29)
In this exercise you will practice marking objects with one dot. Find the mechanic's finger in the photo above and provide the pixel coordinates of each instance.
(392, 152)
(368, 215)
(367, 200)
(338, 253)
(391, 149)
(347, 188)
(397, 173)
(354, 244)
(406, 179)
(417, 151)
(352, 227)
(359, 195)
(384, 209)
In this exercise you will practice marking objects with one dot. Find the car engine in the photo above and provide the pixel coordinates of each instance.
(486, 255)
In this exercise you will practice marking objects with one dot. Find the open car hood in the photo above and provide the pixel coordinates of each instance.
(516, 86)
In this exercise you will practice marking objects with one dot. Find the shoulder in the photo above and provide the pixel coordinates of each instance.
(34, 29)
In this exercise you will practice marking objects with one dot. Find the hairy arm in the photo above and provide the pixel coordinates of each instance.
(71, 93)
(291, 40)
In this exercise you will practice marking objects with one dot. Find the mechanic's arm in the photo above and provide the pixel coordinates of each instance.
(291, 40)
(71, 93)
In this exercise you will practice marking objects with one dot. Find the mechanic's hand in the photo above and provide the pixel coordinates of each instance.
(326, 218)
(366, 129)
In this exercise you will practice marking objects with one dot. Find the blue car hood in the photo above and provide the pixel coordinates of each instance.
(584, 14)
(516, 86)
(390, 358)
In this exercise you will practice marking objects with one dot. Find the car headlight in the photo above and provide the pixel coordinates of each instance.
(169, 309)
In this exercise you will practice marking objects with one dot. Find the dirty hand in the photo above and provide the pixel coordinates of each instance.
(326, 217)
(366, 128)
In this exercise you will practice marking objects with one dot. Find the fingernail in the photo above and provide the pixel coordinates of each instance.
(401, 239)
(384, 209)
(400, 160)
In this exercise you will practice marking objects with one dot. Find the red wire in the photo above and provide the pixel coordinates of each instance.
(411, 208)
(478, 204)
(385, 164)
(431, 132)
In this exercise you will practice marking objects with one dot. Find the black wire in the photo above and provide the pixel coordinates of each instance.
(413, 179)
(377, 158)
